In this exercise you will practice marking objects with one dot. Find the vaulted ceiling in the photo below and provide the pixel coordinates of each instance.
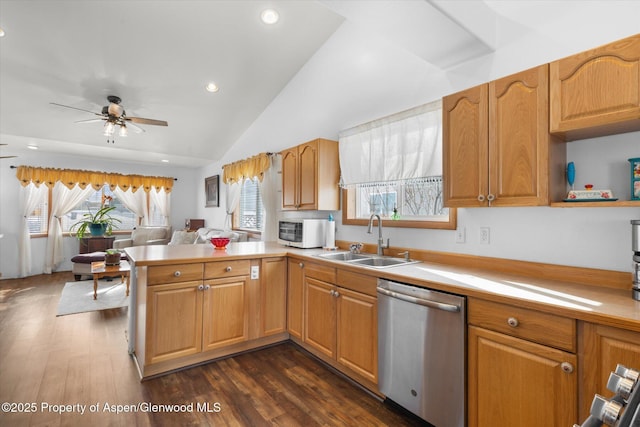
(159, 55)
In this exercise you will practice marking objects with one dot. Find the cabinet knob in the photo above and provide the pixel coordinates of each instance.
(491, 197)
(566, 367)
(481, 197)
(301, 265)
(177, 273)
(336, 294)
(228, 269)
(513, 322)
(200, 287)
(207, 287)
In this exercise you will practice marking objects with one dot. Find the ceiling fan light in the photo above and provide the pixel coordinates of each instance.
(109, 129)
(123, 131)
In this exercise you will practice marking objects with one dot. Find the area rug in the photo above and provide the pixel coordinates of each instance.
(77, 297)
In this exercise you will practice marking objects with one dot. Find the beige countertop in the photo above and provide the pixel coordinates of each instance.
(613, 307)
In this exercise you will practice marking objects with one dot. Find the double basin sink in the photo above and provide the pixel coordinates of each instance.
(367, 260)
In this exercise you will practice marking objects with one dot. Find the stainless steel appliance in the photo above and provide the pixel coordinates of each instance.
(623, 409)
(422, 352)
(635, 247)
(302, 233)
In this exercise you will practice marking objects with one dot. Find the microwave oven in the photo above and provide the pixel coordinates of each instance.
(302, 233)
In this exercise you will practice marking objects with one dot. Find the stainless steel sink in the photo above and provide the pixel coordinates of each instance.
(367, 260)
(344, 256)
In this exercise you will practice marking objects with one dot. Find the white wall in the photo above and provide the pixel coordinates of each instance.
(182, 202)
(357, 77)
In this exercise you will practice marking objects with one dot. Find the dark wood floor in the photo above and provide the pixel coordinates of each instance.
(49, 364)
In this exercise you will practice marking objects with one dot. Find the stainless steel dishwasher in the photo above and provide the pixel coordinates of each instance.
(422, 351)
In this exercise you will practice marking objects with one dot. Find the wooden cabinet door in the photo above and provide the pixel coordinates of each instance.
(225, 312)
(601, 349)
(320, 316)
(295, 301)
(273, 295)
(597, 92)
(512, 382)
(174, 321)
(519, 139)
(465, 147)
(290, 179)
(358, 333)
(308, 174)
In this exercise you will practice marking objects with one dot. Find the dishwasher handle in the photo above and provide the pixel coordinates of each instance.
(420, 301)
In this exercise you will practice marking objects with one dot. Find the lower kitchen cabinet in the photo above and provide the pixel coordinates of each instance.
(225, 312)
(174, 321)
(516, 378)
(295, 299)
(601, 349)
(320, 316)
(273, 296)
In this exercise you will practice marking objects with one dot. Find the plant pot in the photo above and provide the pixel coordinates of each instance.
(97, 229)
(112, 259)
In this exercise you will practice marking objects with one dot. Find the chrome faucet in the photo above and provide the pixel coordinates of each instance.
(381, 245)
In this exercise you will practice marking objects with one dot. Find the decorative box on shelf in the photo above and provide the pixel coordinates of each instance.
(635, 178)
(590, 196)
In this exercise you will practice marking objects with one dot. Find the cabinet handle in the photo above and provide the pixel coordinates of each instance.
(513, 322)
(481, 197)
(207, 287)
(200, 287)
(566, 367)
(228, 269)
(177, 273)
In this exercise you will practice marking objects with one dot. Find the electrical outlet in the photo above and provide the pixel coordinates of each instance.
(484, 235)
(460, 235)
(255, 272)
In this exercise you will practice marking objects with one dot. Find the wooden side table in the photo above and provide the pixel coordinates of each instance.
(96, 244)
(100, 270)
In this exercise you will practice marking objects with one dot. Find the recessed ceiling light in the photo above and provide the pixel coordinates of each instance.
(212, 87)
(269, 16)
(164, 161)
(32, 147)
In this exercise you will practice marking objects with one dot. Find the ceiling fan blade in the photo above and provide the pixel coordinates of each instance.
(136, 128)
(7, 157)
(146, 121)
(90, 120)
(75, 108)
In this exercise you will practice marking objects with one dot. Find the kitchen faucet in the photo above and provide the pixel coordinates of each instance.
(381, 245)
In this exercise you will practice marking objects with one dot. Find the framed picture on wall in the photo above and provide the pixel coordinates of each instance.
(212, 191)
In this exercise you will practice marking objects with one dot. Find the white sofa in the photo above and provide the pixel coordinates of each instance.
(145, 235)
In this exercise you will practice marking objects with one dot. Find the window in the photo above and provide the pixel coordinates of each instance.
(392, 167)
(38, 220)
(104, 196)
(250, 210)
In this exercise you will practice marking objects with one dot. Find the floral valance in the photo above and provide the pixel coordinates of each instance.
(72, 177)
(248, 168)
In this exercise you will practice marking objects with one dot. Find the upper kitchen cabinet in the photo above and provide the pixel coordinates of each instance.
(497, 150)
(310, 176)
(596, 92)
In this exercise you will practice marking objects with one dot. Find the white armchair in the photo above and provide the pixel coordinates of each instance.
(145, 235)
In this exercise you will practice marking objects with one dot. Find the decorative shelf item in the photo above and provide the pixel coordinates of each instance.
(590, 196)
(635, 178)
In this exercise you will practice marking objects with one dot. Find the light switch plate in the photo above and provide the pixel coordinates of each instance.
(255, 272)
(460, 235)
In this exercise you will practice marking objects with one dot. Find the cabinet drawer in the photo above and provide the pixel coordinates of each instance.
(357, 282)
(214, 270)
(320, 272)
(543, 328)
(174, 273)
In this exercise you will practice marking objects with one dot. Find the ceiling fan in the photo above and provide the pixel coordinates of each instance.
(114, 115)
(6, 157)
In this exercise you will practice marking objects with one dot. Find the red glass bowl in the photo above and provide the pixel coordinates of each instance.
(220, 242)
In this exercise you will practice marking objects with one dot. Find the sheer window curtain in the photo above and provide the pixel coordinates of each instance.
(136, 202)
(162, 200)
(30, 197)
(63, 200)
(232, 197)
(269, 190)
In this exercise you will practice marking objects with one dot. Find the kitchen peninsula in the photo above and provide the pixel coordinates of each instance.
(191, 304)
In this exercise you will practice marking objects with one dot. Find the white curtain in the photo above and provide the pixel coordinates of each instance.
(269, 192)
(232, 197)
(136, 202)
(162, 200)
(403, 146)
(63, 200)
(30, 197)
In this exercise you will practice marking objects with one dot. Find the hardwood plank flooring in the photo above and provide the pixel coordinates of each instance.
(50, 366)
